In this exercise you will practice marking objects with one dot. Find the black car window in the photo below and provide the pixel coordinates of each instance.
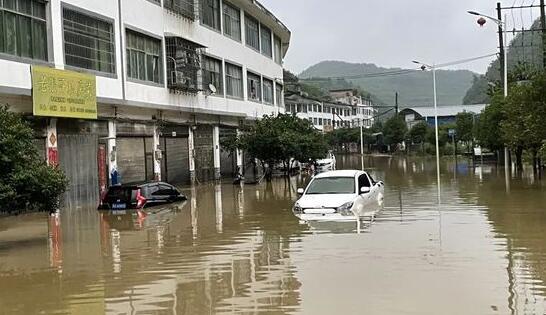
(152, 190)
(164, 190)
(363, 181)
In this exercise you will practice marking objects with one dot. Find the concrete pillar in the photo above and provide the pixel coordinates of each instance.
(191, 148)
(216, 151)
(51, 143)
(219, 208)
(157, 155)
(239, 157)
(113, 175)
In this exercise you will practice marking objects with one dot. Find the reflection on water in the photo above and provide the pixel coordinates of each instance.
(239, 250)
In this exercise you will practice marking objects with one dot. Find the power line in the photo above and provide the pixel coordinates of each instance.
(395, 72)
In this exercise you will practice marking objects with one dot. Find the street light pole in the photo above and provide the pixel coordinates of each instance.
(436, 124)
(433, 68)
(502, 27)
(362, 143)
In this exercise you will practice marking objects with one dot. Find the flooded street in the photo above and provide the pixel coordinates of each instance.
(233, 250)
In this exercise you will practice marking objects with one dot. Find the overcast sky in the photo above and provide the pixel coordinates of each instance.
(388, 33)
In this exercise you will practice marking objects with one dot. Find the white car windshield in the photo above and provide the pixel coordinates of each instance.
(332, 185)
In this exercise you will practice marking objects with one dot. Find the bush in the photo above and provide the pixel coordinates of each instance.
(27, 183)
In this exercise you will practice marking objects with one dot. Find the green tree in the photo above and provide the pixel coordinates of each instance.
(275, 139)
(464, 128)
(395, 130)
(488, 130)
(418, 134)
(525, 113)
(27, 183)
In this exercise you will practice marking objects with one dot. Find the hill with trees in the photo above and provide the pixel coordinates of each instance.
(414, 87)
(525, 51)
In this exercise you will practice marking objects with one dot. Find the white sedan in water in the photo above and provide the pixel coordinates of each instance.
(339, 196)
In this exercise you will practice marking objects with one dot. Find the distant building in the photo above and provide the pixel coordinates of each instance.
(446, 114)
(344, 110)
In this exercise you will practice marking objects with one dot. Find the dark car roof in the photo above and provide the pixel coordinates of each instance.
(140, 185)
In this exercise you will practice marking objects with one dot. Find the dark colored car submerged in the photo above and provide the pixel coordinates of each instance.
(139, 196)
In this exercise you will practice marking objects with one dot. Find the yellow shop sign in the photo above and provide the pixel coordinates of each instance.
(61, 93)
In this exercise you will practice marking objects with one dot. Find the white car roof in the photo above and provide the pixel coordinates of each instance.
(344, 173)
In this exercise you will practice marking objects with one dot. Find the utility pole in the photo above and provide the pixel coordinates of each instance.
(543, 25)
(501, 40)
(396, 102)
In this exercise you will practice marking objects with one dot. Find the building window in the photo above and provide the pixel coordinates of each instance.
(212, 74)
(234, 81)
(278, 50)
(183, 64)
(23, 29)
(268, 91)
(210, 13)
(252, 32)
(183, 7)
(254, 86)
(278, 95)
(88, 42)
(265, 41)
(232, 21)
(144, 57)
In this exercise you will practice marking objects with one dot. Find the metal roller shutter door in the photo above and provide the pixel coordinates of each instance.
(78, 160)
(177, 160)
(131, 160)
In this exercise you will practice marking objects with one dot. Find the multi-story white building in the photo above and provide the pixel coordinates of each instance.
(164, 81)
(328, 115)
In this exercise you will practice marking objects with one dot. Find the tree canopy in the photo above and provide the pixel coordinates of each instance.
(464, 126)
(282, 138)
(27, 183)
(395, 130)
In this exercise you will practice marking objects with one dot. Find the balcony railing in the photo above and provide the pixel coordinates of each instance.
(185, 8)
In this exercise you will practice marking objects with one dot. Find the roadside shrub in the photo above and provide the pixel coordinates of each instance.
(27, 183)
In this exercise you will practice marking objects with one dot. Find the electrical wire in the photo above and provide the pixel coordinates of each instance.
(397, 72)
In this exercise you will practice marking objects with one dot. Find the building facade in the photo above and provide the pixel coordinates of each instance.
(163, 82)
(446, 114)
(338, 112)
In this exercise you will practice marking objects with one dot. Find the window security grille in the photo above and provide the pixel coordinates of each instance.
(185, 8)
(88, 42)
(184, 65)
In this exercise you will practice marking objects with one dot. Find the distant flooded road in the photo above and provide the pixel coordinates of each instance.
(233, 250)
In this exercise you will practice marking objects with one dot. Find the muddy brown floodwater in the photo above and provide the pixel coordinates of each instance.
(233, 250)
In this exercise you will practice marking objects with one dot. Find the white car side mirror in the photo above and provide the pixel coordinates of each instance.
(301, 191)
(365, 190)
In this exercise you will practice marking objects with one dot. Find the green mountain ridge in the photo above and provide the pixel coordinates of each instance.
(414, 88)
(525, 49)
